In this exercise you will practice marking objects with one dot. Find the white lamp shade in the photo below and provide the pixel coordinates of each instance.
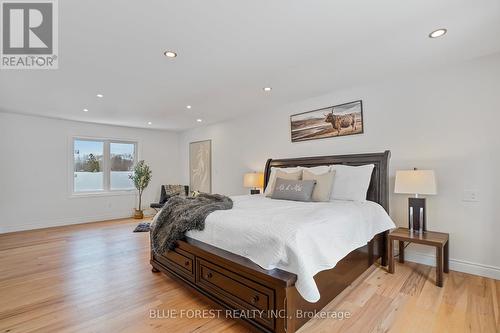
(415, 182)
(253, 180)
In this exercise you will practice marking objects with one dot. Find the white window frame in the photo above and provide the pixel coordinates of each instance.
(106, 166)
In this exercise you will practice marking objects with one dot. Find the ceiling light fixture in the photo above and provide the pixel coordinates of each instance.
(267, 89)
(100, 95)
(85, 110)
(188, 106)
(199, 120)
(438, 33)
(170, 54)
(150, 123)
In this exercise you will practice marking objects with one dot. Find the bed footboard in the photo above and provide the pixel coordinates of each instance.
(268, 298)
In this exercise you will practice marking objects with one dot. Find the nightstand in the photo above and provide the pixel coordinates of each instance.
(439, 240)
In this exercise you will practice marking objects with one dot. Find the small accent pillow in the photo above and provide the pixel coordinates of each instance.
(351, 182)
(323, 189)
(297, 190)
(293, 175)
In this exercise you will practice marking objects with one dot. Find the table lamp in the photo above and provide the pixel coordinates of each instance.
(417, 182)
(254, 181)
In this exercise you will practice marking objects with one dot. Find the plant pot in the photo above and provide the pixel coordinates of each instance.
(138, 214)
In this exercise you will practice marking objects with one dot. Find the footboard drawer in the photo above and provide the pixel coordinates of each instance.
(236, 291)
(180, 261)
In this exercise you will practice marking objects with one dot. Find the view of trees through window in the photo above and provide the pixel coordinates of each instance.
(122, 163)
(89, 162)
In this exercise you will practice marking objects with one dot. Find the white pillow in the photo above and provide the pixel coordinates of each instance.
(272, 178)
(351, 182)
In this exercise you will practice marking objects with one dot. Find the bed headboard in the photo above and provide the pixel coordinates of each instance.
(379, 184)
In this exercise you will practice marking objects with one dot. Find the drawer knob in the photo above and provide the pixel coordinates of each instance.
(209, 275)
(186, 263)
(254, 300)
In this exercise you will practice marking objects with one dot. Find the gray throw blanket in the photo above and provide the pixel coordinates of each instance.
(180, 215)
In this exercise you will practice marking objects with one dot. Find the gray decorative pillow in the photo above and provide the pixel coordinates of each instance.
(297, 190)
(292, 175)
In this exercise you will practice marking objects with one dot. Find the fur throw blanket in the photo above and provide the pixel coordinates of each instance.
(180, 215)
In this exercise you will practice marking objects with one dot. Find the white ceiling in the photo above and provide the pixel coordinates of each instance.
(229, 50)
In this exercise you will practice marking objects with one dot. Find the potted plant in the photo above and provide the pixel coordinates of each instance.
(141, 178)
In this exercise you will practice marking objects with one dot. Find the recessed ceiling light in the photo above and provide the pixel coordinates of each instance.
(188, 106)
(170, 54)
(438, 33)
(100, 95)
(268, 89)
(199, 120)
(150, 123)
(85, 110)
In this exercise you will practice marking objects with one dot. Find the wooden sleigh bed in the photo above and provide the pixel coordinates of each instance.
(238, 284)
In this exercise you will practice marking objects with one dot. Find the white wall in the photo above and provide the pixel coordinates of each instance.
(34, 171)
(447, 120)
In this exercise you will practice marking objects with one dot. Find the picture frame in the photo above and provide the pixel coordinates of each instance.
(322, 123)
(200, 166)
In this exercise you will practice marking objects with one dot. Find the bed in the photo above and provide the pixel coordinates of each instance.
(269, 299)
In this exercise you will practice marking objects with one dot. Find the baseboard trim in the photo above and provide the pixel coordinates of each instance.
(455, 264)
(58, 222)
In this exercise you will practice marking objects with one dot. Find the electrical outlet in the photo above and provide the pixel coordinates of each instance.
(471, 195)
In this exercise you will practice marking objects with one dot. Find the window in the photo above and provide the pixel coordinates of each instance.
(88, 165)
(122, 163)
(102, 165)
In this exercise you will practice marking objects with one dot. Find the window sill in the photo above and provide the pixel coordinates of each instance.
(103, 194)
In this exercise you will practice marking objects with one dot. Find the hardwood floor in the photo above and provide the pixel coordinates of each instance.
(96, 278)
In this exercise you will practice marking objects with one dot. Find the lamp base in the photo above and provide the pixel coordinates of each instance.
(254, 191)
(416, 211)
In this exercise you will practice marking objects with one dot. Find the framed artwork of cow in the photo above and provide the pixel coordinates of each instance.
(338, 120)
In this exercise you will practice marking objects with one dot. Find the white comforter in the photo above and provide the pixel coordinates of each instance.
(299, 237)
